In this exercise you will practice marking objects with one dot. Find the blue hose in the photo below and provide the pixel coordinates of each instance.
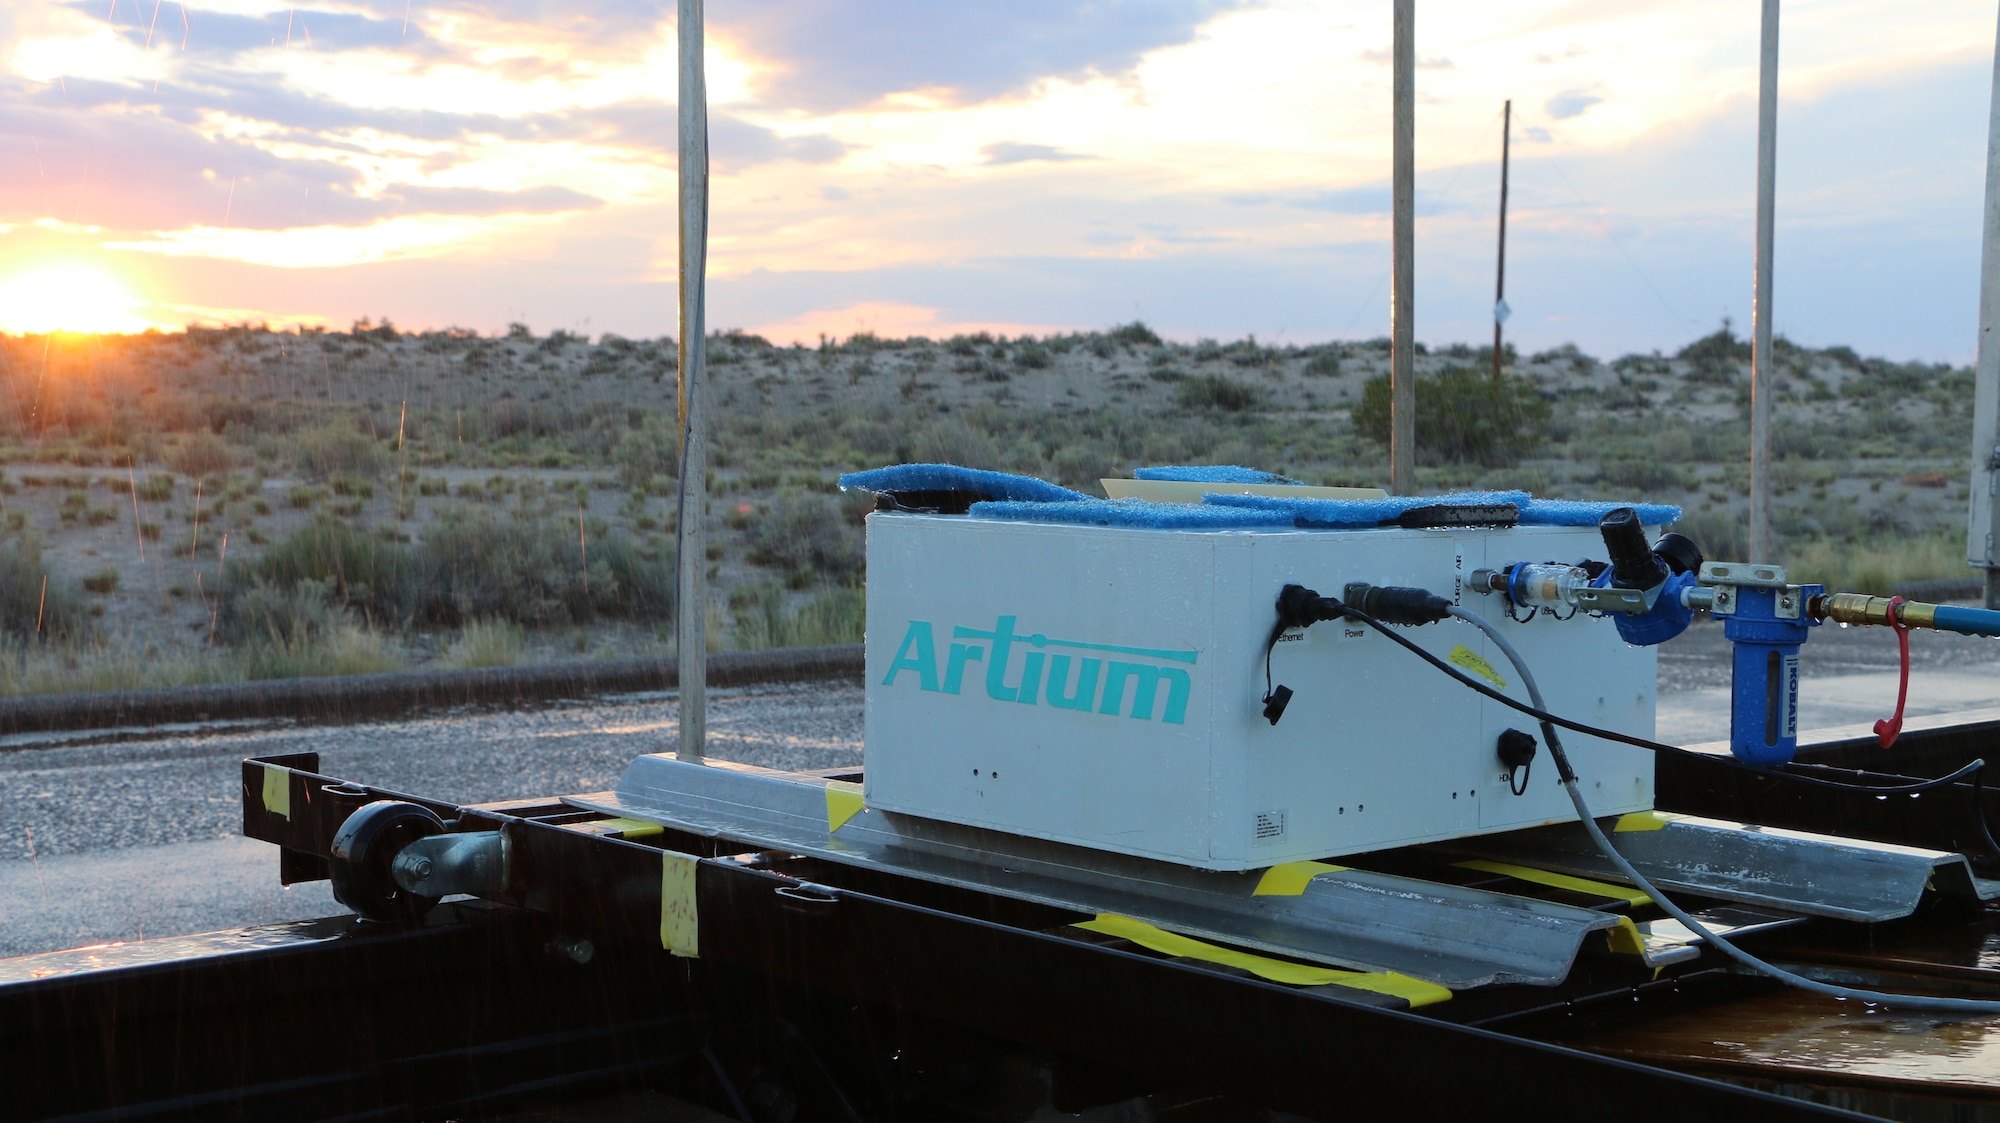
(1967, 621)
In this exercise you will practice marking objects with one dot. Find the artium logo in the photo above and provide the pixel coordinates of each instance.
(1072, 681)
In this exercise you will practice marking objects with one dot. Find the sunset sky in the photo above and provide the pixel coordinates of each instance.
(929, 166)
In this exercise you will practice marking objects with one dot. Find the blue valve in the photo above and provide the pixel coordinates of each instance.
(1767, 626)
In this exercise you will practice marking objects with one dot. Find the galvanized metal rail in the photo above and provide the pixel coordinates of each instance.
(872, 981)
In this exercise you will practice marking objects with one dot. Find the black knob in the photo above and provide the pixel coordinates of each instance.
(1633, 563)
(1679, 552)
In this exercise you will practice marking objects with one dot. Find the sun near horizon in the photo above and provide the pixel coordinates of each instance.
(68, 296)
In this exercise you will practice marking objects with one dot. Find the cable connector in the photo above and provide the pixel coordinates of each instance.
(1393, 604)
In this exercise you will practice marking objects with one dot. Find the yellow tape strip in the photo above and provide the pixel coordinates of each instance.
(1561, 881)
(843, 802)
(1465, 657)
(1645, 821)
(1291, 878)
(1416, 991)
(1625, 939)
(680, 926)
(278, 790)
(627, 828)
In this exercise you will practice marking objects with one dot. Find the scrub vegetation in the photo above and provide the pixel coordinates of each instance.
(240, 502)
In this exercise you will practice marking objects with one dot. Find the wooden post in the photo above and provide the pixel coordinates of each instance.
(1500, 270)
(1985, 491)
(1762, 365)
(691, 509)
(1402, 239)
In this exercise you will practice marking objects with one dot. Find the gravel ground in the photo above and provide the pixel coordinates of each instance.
(117, 836)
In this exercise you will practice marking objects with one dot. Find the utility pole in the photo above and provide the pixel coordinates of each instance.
(1984, 513)
(1763, 369)
(690, 518)
(1500, 309)
(1402, 250)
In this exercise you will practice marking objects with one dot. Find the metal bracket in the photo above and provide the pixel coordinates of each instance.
(1632, 601)
(443, 864)
(1744, 575)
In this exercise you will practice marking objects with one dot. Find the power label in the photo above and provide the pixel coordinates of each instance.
(1789, 690)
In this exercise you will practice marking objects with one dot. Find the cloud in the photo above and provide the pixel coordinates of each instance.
(1570, 103)
(829, 55)
(221, 35)
(1011, 152)
(126, 167)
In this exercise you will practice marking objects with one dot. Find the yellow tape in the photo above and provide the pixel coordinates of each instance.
(1645, 821)
(1562, 881)
(1465, 657)
(843, 802)
(1625, 939)
(1416, 991)
(627, 828)
(278, 790)
(1291, 878)
(680, 926)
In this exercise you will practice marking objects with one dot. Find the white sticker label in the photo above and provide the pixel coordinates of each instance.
(1789, 726)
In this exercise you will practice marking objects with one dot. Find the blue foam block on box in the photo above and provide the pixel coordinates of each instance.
(1211, 474)
(952, 477)
(1136, 514)
(1337, 514)
(1578, 512)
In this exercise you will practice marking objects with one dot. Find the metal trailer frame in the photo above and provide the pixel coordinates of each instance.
(863, 987)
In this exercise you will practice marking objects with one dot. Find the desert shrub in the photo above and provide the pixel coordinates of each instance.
(1326, 364)
(1463, 415)
(33, 601)
(486, 642)
(296, 614)
(1031, 355)
(529, 570)
(645, 452)
(763, 619)
(1212, 391)
(1722, 534)
(331, 449)
(154, 489)
(639, 588)
(201, 455)
(807, 532)
(377, 577)
(1134, 334)
(103, 582)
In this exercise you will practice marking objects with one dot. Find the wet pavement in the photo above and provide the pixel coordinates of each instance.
(116, 836)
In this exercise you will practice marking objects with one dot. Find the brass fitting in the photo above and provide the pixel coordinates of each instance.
(1862, 609)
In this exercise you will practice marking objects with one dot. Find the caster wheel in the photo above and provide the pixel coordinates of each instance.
(363, 849)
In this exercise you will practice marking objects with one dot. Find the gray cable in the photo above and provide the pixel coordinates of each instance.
(1639, 882)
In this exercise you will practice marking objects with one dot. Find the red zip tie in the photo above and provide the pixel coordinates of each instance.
(1892, 727)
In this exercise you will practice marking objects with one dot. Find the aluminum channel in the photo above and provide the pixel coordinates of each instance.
(1456, 937)
(1813, 874)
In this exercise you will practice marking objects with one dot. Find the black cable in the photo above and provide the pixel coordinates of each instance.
(1979, 816)
(1547, 719)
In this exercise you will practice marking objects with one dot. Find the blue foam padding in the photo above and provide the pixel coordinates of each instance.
(1332, 514)
(1579, 512)
(1211, 474)
(952, 477)
(1137, 514)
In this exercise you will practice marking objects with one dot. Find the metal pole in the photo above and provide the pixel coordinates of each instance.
(1761, 364)
(690, 522)
(1500, 272)
(1984, 513)
(1402, 240)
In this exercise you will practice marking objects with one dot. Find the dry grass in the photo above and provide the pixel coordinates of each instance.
(486, 642)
